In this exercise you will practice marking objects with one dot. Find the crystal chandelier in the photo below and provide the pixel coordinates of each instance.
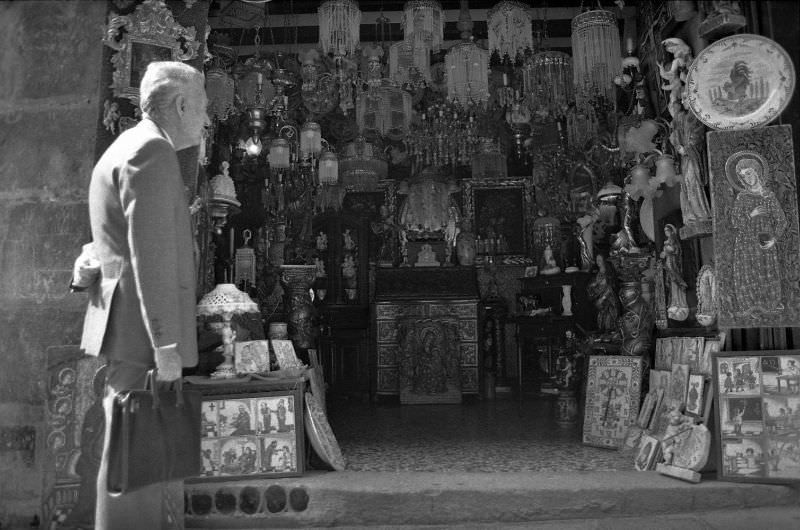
(547, 84)
(510, 28)
(596, 54)
(384, 110)
(423, 24)
(409, 64)
(467, 66)
(339, 27)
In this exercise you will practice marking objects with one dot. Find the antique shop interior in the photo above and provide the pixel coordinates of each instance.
(431, 236)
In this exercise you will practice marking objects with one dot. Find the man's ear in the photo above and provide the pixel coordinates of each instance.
(180, 105)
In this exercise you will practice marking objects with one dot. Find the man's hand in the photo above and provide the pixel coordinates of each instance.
(168, 363)
(86, 270)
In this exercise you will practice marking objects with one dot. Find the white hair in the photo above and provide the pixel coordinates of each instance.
(161, 84)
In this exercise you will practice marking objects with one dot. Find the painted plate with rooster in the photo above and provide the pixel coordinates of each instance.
(740, 82)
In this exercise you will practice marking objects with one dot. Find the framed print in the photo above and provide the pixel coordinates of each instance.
(759, 416)
(646, 456)
(698, 404)
(613, 387)
(501, 207)
(660, 379)
(756, 233)
(251, 357)
(249, 435)
(285, 356)
(676, 395)
(148, 34)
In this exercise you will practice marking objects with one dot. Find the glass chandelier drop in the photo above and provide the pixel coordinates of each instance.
(596, 54)
(423, 23)
(339, 27)
(510, 28)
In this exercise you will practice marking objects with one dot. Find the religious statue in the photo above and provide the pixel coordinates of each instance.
(387, 231)
(426, 257)
(451, 232)
(427, 208)
(601, 290)
(672, 254)
(322, 242)
(549, 266)
(584, 234)
(759, 222)
(637, 321)
(465, 244)
(706, 296)
(688, 136)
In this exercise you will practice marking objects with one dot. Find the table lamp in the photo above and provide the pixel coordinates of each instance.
(226, 300)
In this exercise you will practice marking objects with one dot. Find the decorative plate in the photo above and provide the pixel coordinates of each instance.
(740, 82)
(320, 434)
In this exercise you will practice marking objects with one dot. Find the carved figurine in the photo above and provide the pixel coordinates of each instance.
(672, 254)
(602, 292)
(465, 244)
(688, 136)
(637, 321)
(387, 232)
(675, 76)
(759, 222)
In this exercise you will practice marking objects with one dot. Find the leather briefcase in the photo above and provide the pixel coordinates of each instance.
(154, 437)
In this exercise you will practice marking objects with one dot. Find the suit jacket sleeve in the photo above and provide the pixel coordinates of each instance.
(150, 197)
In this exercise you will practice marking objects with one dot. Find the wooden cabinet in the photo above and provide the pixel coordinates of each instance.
(415, 308)
(342, 302)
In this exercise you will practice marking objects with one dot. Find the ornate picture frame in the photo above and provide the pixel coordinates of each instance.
(148, 34)
(252, 435)
(756, 232)
(758, 414)
(514, 197)
(613, 387)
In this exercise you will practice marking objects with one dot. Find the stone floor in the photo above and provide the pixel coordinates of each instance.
(502, 435)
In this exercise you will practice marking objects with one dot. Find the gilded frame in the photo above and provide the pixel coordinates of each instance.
(150, 33)
(471, 190)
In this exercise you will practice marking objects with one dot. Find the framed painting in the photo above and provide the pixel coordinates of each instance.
(756, 234)
(148, 34)
(501, 208)
(647, 454)
(252, 435)
(698, 402)
(759, 416)
(613, 387)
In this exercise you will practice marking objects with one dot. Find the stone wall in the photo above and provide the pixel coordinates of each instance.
(49, 109)
(54, 81)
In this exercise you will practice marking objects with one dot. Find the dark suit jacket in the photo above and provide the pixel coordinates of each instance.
(141, 234)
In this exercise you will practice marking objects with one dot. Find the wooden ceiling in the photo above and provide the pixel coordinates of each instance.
(292, 25)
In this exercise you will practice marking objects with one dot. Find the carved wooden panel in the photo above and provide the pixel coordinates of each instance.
(387, 331)
(454, 310)
(469, 354)
(387, 355)
(429, 361)
(468, 330)
(395, 311)
(388, 381)
(756, 235)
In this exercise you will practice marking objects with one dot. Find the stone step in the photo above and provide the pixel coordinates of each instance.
(373, 499)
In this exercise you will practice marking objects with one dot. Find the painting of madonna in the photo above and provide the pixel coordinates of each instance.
(759, 222)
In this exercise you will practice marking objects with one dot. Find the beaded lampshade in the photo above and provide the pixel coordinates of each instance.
(467, 68)
(385, 111)
(339, 27)
(423, 23)
(405, 56)
(547, 83)
(596, 53)
(225, 298)
(510, 28)
(362, 165)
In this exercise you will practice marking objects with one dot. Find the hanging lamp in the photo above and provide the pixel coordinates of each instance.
(339, 27)
(547, 82)
(467, 65)
(510, 28)
(423, 23)
(596, 54)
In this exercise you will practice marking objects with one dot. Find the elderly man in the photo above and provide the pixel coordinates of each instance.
(141, 310)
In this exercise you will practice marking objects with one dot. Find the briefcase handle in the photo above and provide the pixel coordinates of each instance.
(150, 384)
